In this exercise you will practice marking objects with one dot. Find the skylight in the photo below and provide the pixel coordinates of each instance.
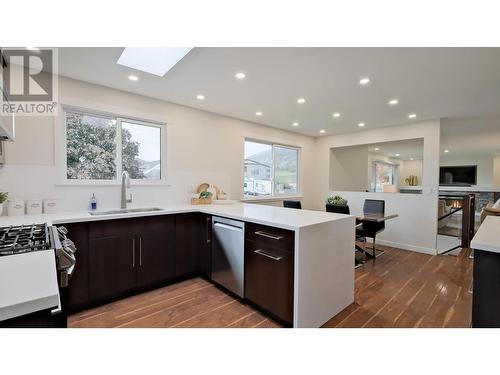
(157, 61)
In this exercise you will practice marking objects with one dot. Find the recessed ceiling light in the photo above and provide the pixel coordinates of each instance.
(133, 78)
(336, 115)
(446, 151)
(393, 102)
(33, 48)
(361, 124)
(364, 81)
(412, 115)
(258, 113)
(240, 75)
(200, 96)
(322, 131)
(398, 154)
(412, 159)
(157, 61)
(295, 124)
(301, 100)
(377, 149)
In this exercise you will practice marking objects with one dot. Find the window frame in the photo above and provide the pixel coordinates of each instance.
(273, 196)
(61, 150)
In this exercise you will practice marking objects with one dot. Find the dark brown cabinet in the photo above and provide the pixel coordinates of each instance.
(186, 244)
(76, 295)
(127, 255)
(156, 252)
(111, 267)
(269, 274)
(205, 246)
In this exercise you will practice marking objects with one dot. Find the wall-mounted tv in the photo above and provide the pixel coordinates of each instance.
(463, 175)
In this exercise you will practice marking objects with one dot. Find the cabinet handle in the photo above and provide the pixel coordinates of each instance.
(271, 236)
(133, 252)
(267, 255)
(209, 237)
(140, 251)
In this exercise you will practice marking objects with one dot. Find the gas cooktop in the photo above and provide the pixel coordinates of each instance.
(24, 238)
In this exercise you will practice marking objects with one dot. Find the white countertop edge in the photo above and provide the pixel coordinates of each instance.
(67, 217)
(487, 238)
(29, 307)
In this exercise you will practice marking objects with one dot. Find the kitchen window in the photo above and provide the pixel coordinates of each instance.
(99, 147)
(271, 170)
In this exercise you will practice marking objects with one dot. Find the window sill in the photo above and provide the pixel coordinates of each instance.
(272, 199)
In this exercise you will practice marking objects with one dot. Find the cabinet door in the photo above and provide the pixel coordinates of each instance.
(76, 295)
(205, 246)
(112, 266)
(269, 279)
(156, 252)
(186, 244)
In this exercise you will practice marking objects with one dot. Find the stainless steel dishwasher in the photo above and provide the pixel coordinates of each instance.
(228, 253)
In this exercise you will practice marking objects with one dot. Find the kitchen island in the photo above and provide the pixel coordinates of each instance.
(321, 247)
(486, 287)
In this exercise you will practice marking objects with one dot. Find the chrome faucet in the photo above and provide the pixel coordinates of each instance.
(125, 185)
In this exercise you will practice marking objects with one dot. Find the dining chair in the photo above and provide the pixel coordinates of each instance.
(370, 229)
(292, 204)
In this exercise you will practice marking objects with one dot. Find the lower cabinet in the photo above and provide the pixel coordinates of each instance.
(76, 295)
(112, 269)
(269, 279)
(205, 246)
(129, 254)
(186, 244)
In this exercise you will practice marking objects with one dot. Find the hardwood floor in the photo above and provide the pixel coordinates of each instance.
(409, 289)
(400, 289)
(191, 303)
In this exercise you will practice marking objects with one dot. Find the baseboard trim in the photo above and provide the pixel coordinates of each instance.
(404, 246)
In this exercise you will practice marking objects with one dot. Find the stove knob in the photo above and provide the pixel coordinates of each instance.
(70, 247)
(62, 230)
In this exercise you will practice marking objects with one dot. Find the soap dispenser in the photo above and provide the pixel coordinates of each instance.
(93, 202)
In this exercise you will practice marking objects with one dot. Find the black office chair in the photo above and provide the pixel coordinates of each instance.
(292, 204)
(370, 229)
(345, 210)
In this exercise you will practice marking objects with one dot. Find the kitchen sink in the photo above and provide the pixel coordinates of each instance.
(125, 211)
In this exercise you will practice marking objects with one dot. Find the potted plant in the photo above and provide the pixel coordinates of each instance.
(338, 202)
(3, 198)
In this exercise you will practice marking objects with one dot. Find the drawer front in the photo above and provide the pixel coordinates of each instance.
(269, 279)
(116, 227)
(276, 237)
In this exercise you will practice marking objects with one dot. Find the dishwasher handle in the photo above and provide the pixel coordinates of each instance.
(227, 226)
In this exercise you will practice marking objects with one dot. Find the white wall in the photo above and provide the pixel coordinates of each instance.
(201, 146)
(484, 167)
(416, 226)
(348, 168)
(410, 167)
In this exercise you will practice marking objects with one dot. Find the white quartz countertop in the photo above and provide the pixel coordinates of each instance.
(487, 237)
(286, 218)
(28, 283)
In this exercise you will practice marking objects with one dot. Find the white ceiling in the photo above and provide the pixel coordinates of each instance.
(470, 137)
(407, 149)
(432, 82)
